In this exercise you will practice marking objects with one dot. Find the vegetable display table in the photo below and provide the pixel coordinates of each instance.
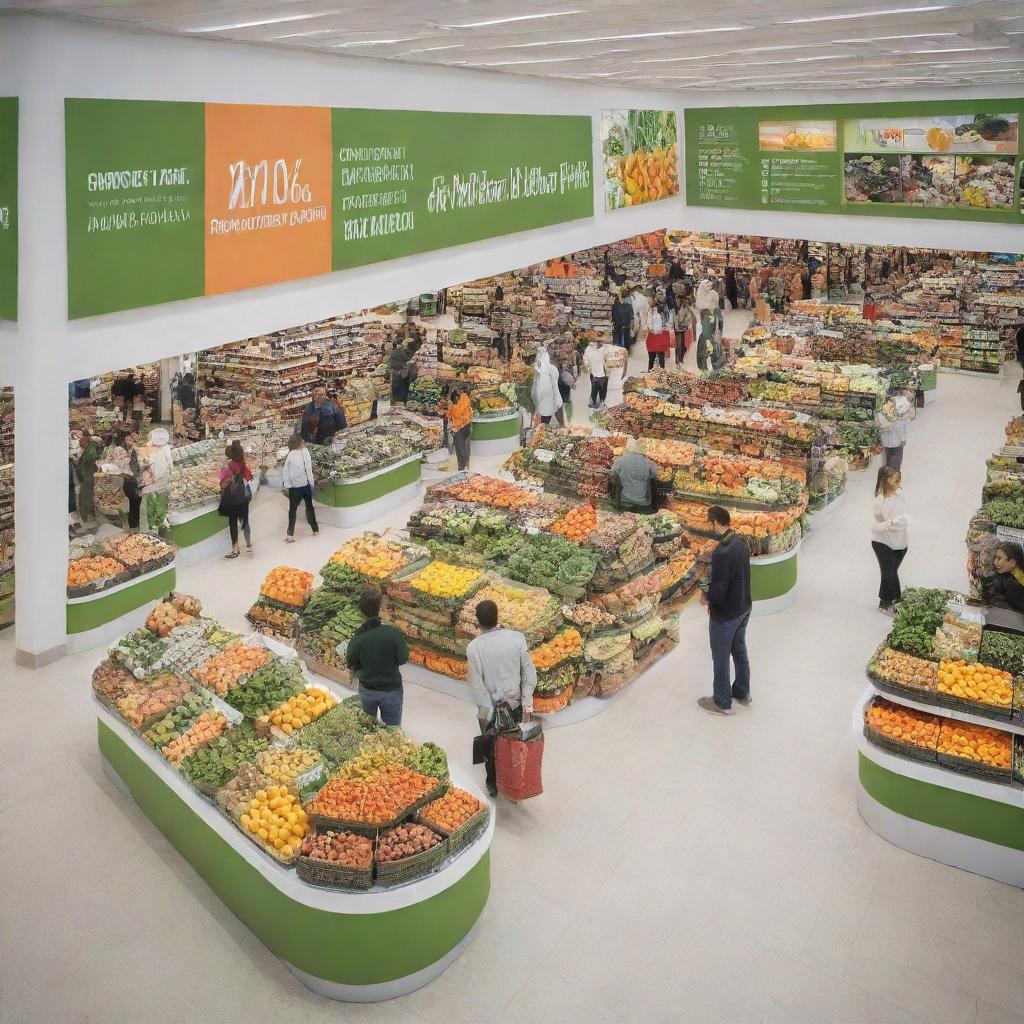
(362, 499)
(495, 435)
(353, 946)
(578, 711)
(98, 618)
(954, 818)
(824, 515)
(196, 532)
(773, 581)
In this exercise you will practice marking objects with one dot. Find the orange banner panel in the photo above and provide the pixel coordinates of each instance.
(268, 195)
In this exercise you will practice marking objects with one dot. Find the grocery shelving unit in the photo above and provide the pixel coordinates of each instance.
(351, 946)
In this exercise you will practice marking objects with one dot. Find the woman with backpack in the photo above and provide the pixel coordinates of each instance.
(235, 495)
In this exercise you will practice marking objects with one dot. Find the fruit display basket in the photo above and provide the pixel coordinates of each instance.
(389, 874)
(436, 584)
(465, 835)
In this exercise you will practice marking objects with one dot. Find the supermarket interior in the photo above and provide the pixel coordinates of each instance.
(445, 468)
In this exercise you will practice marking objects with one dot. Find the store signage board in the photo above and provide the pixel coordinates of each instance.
(8, 208)
(169, 201)
(958, 160)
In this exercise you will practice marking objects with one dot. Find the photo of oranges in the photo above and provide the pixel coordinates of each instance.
(641, 156)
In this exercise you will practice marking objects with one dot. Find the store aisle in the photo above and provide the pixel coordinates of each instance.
(678, 868)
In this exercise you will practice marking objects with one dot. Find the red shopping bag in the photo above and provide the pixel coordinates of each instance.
(517, 765)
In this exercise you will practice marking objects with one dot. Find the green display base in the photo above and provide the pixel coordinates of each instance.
(351, 946)
(367, 489)
(929, 380)
(199, 529)
(90, 613)
(773, 581)
(495, 429)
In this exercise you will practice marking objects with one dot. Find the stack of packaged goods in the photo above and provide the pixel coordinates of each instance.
(256, 380)
(593, 312)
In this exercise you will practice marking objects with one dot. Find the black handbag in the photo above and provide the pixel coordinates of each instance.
(482, 747)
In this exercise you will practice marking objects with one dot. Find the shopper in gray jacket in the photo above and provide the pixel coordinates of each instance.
(501, 671)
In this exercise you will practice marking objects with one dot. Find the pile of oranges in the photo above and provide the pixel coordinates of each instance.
(577, 524)
(903, 724)
(980, 683)
(567, 644)
(976, 743)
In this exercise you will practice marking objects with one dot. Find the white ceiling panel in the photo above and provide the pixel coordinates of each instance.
(659, 44)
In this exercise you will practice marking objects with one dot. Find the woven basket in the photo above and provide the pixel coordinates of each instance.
(909, 751)
(991, 711)
(332, 672)
(975, 769)
(465, 835)
(327, 874)
(397, 872)
(556, 702)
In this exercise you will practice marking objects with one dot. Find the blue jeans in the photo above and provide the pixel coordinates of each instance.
(388, 702)
(729, 638)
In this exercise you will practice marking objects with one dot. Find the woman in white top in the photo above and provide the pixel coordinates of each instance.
(547, 399)
(297, 479)
(889, 531)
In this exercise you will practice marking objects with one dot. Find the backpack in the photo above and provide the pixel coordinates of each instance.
(233, 492)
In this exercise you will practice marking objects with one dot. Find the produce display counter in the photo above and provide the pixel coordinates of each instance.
(495, 435)
(357, 947)
(954, 818)
(196, 532)
(98, 618)
(773, 581)
(577, 711)
(820, 517)
(361, 500)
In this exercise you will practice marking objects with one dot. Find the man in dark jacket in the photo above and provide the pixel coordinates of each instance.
(622, 320)
(728, 602)
(321, 419)
(374, 655)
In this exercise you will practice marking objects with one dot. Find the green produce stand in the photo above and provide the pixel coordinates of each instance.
(98, 618)
(352, 946)
(955, 818)
(495, 435)
(363, 499)
(773, 581)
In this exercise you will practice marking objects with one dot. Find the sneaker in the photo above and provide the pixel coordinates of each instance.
(709, 705)
(745, 701)
(289, 540)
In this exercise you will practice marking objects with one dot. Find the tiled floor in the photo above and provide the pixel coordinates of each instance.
(678, 867)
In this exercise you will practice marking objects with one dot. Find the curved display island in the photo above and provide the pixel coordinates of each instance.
(773, 581)
(360, 500)
(353, 946)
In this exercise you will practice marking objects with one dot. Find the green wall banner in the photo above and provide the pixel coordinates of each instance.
(8, 208)
(169, 201)
(957, 160)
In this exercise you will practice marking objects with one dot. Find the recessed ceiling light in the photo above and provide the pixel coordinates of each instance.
(536, 60)
(262, 21)
(517, 17)
(429, 49)
(606, 39)
(375, 42)
(963, 49)
(866, 14)
(914, 35)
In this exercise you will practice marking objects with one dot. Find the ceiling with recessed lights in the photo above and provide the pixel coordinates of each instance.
(660, 44)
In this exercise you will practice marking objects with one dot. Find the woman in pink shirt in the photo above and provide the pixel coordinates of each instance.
(235, 495)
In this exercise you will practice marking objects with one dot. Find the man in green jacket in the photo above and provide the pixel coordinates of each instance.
(374, 655)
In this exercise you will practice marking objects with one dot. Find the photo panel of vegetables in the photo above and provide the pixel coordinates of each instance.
(951, 160)
(640, 150)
